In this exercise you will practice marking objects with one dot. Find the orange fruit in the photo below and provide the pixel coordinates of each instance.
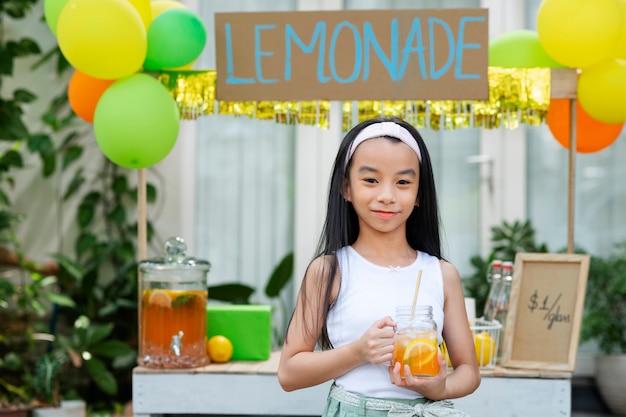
(421, 351)
(160, 298)
(485, 348)
(219, 348)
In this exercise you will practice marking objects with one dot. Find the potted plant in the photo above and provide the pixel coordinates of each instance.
(604, 321)
(24, 299)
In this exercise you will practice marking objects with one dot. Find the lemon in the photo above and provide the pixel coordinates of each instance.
(485, 348)
(444, 351)
(219, 348)
(419, 350)
(160, 298)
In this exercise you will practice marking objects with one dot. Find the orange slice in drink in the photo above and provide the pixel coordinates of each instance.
(419, 352)
(160, 298)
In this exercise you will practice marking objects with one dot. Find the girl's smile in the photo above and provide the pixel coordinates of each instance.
(385, 214)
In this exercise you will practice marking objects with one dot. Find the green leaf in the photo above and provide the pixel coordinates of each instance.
(68, 266)
(49, 163)
(98, 332)
(151, 193)
(280, 276)
(120, 184)
(6, 61)
(118, 215)
(70, 155)
(92, 198)
(40, 143)
(75, 183)
(23, 96)
(11, 159)
(13, 128)
(111, 349)
(24, 47)
(62, 63)
(85, 242)
(101, 376)
(60, 299)
(4, 198)
(126, 361)
(233, 293)
(86, 213)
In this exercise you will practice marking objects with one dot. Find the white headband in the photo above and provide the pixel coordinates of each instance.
(377, 130)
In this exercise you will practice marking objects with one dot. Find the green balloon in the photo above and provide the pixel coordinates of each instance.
(176, 37)
(136, 122)
(51, 11)
(519, 49)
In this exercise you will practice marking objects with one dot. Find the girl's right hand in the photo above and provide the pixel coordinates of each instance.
(376, 344)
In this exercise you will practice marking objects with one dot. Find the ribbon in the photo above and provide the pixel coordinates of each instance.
(443, 408)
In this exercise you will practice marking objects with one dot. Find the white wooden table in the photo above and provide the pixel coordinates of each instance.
(251, 388)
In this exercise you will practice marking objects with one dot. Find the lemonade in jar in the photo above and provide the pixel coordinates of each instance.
(416, 341)
(173, 310)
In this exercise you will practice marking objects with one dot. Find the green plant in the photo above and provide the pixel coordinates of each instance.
(507, 239)
(604, 317)
(238, 293)
(24, 298)
(87, 346)
(99, 275)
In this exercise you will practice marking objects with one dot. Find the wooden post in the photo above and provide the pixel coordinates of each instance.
(563, 84)
(142, 239)
(571, 194)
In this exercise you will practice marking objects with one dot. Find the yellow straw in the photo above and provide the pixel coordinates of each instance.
(417, 289)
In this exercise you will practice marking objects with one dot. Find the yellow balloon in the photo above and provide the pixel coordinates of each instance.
(602, 90)
(159, 6)
(105, 39)
(579, 33)
(619, 51)
(144, 9)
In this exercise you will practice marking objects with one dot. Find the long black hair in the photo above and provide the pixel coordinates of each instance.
(341, 227)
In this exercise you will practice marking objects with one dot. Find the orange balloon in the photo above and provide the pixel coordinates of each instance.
(591, 134)
(83, 93)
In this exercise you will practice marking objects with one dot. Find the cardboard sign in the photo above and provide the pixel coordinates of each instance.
(545, 311)
(427, 54)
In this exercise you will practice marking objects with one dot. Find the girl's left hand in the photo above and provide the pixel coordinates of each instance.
(432, 388)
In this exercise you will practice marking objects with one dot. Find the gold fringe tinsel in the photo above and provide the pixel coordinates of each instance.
(516, 96)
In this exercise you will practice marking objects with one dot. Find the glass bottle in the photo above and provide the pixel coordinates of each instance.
(495, 277)
(416, 340)
(173, 309)
(502, 302)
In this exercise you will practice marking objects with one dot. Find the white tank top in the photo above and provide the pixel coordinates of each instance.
(370, 292)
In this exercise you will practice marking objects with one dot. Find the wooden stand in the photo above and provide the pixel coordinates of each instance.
(252, 389)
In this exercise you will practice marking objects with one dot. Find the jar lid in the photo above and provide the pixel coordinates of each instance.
(174, 259)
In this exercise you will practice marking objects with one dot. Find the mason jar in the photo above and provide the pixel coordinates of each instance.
(416, 341)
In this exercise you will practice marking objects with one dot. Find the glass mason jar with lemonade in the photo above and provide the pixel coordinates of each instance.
(416, 341)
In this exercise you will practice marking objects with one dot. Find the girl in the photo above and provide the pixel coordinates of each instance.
(381, 228)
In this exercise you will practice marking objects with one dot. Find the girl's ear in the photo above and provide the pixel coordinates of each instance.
(345, 190)
(417, 202)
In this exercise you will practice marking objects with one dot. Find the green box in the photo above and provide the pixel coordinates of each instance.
(248, 326)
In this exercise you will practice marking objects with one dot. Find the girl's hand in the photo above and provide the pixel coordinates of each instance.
(376, 344)
(433, 388)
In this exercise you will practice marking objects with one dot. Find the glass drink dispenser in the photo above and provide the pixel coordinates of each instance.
(173, 309)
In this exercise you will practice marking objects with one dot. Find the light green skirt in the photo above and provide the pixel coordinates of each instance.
(341, 403)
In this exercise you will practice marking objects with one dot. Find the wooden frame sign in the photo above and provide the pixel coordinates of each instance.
(545, 311)
(425, 54)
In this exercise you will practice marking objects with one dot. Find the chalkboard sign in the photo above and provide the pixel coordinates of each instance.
(545, 311)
